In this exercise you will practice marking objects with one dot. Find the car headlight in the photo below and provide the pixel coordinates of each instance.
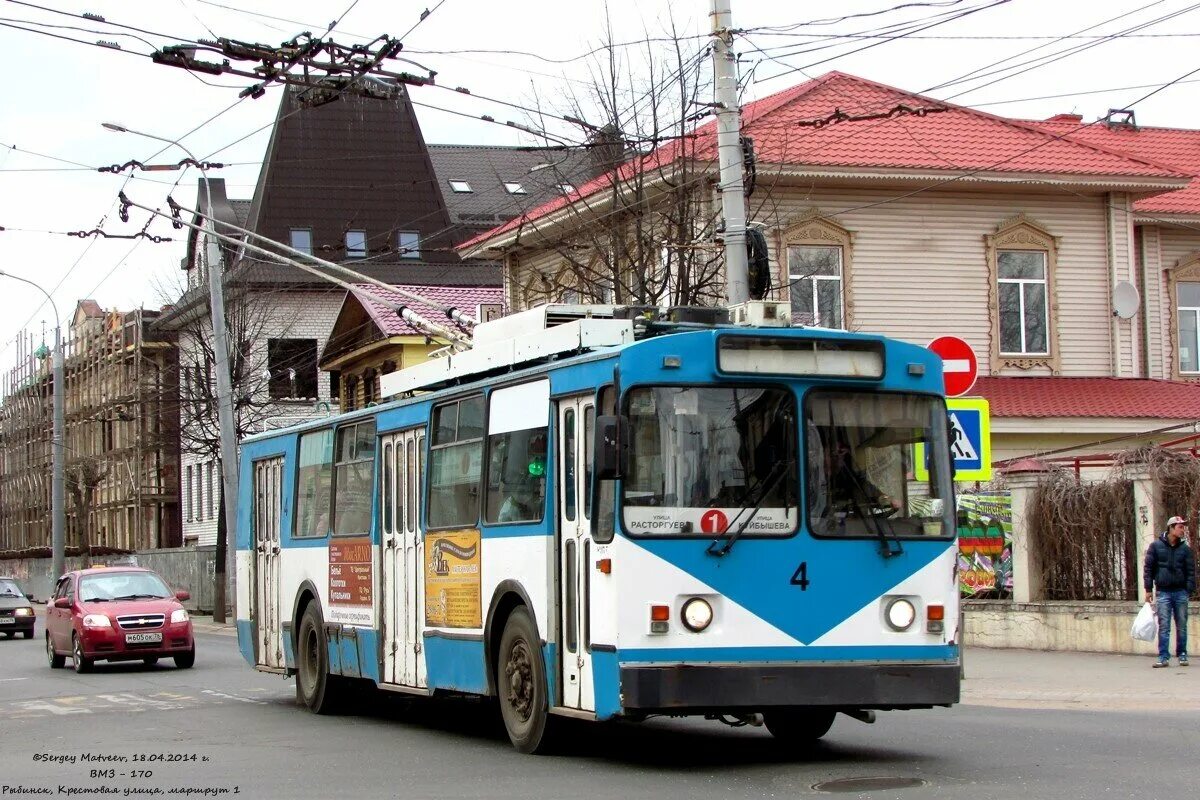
(96, 621)
(697, 614)
(900, 614)
(24, 612)
(179, 615)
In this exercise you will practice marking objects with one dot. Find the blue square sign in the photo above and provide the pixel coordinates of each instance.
(970, 441)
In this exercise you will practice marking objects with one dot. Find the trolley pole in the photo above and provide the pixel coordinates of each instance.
(225, 417)
(729, 151)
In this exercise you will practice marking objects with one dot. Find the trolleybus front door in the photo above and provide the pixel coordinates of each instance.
(399, 543)
(574, 554)
(268, 486)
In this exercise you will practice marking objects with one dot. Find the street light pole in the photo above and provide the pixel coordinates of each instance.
(225, 416)
(58, 487)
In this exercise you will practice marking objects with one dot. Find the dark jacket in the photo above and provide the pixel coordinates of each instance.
(1169, 568)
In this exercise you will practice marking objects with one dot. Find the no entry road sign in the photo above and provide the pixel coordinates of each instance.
(959, 367)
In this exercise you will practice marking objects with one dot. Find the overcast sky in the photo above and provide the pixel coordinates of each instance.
(57, 93)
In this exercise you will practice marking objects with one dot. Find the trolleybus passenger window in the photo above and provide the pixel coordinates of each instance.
(568, 463)
(410, 499)
(314, 481)
(518, 430)
(858, 448)
(352, 478)
(457, 456)
(589, 433)
(385, 494)
(606, 495)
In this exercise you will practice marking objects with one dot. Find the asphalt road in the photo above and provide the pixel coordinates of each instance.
(237, 729)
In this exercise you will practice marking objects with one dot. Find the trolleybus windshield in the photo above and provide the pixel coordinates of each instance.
(859, 448)
(701, 457)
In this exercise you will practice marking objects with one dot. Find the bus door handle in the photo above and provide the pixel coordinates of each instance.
(275, 550)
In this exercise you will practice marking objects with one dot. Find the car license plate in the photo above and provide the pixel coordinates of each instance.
(141, 638)
(7, 620)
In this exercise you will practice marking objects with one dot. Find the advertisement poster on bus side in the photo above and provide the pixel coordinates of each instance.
(351, 598)
(452, 580)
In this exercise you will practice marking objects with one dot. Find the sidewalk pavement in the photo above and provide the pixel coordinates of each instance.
(1038, 679)
(1066, 680)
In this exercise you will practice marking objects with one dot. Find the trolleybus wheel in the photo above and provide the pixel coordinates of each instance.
(315, 687)
(799, 725)
(521, 684)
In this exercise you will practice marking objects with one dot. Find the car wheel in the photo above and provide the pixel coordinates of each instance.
(29, 633)
(315, 687)
(150, 661)
(81, 664)
(56, 661)
(799, 726)
(185, 660)
(521, 684)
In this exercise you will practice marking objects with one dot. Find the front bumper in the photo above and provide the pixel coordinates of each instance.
(110, 643)
(18, 624)
(705, 688)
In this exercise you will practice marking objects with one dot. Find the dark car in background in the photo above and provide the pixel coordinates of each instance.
(16, 610)
(117, 614)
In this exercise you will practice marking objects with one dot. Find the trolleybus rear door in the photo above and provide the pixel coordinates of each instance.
(268, 500)
(574, 553)
(400, 554)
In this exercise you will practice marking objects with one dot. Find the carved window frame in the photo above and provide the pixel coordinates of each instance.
(1186, 270)
(1023, 233)
(813, 228)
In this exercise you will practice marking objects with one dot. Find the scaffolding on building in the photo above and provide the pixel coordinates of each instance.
(121, 438)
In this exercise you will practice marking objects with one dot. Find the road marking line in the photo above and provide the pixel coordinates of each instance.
(5, 680)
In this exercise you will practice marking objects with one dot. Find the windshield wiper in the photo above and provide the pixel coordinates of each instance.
(97, 599)
(139, 597)
(889, 543)
(763, 487)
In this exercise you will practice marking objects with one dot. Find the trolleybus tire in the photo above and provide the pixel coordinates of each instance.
(521, 684)
(315, 687)
(799, 725)
(56, 661)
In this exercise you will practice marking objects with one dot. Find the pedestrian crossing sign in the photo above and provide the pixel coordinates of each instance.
(970, 436)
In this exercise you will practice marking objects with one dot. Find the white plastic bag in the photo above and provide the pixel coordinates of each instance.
(1145, 625)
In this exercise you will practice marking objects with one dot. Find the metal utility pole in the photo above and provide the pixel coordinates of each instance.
(58, 484)
(729, 152)
(225, 418)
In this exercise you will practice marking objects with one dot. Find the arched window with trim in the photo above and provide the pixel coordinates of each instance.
(1022, 256)
(818, 254)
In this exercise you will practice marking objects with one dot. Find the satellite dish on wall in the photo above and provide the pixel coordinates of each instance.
(1126, 300)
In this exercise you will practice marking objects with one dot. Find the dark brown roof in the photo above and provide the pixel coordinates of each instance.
(485, 168)
(356, 163)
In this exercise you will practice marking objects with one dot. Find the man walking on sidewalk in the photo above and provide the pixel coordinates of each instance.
(1171, 570)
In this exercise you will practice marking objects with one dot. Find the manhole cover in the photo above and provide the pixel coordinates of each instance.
(868, 784)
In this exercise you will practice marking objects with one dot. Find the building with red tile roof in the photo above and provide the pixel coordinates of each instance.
(891, 212)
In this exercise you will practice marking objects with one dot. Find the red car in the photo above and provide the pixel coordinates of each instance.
(117, 614)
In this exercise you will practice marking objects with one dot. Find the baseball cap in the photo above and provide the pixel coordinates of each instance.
(1176, 521)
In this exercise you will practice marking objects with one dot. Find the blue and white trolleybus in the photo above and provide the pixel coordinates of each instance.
(604, 512)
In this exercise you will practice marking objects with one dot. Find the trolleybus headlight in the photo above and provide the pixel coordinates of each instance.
(697, 614)
(900, 614)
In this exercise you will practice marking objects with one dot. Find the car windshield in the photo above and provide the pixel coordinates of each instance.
(10, 589)
(122, 586)
(704, 458)
(859, 452)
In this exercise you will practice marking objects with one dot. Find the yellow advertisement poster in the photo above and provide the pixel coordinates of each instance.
(452, 580)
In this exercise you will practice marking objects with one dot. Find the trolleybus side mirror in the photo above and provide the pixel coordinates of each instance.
(611, 447)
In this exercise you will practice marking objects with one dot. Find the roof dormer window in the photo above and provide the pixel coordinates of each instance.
(514, 188)
(566, 188)
(460, 187)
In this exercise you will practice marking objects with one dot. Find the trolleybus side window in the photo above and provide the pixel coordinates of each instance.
(352, 478)
(386, 496)
(605, 523)
(858, 452)
(314, 483)
(456, 456)
(518, 430)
